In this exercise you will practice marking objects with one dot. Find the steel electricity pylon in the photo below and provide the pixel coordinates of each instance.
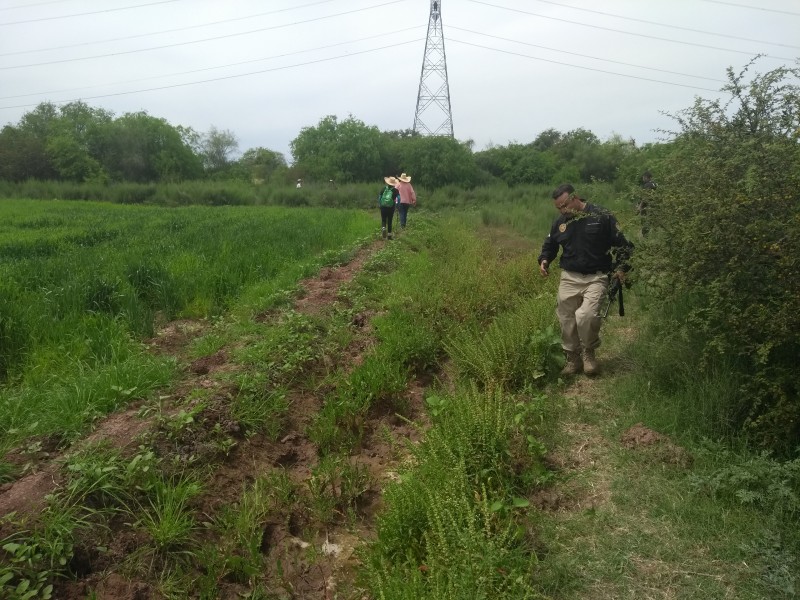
(433, 116)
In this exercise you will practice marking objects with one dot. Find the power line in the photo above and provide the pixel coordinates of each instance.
(236, 64)
(734, 37)
(95, 12)
(177, 85)
(141, 35)
(586, 55)
(556, 62)
(650, 37)
(219, 37)
(31, 5)
(785, 12)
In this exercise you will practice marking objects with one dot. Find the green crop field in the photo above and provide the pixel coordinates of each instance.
(83, 283)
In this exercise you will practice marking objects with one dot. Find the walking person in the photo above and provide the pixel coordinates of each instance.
(587, 233)
(387, 199)
(408, 197)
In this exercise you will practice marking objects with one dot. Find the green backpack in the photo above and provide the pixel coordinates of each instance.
(386, 199)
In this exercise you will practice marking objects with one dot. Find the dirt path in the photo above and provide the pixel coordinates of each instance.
(591, 527)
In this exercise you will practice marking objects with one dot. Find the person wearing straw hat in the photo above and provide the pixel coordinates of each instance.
(408, 197)
(387, 199)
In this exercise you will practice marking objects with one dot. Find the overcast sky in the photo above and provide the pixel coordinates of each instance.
(264, 69)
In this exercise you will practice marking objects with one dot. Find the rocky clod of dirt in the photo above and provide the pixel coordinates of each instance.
(660, 447)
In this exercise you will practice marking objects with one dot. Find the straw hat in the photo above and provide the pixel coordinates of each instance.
(390, 181)
(405, 178)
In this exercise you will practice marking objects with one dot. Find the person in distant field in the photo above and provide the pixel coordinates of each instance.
(408, 197)
(299, 184)
(587, 233)
(387, 198)
(648, 186)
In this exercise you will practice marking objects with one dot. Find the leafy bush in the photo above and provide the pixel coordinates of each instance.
(725, 239)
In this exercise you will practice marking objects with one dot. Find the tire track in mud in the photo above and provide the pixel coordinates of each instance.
(289, 541)
(283, 540)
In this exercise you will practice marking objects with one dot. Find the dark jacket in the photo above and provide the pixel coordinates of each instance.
(587, 239)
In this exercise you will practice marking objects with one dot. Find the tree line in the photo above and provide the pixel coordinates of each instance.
(83, 144)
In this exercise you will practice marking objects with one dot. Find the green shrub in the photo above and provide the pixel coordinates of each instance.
(725, 240)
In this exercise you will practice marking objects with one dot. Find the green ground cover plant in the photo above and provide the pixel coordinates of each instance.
(454, 311)
(444, 533)
(83, 284)
(699, 514)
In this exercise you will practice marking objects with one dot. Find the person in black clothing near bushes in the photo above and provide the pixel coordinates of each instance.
(648, 189)
(587, 233)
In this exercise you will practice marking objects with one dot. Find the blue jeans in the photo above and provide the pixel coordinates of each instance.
(403, 213)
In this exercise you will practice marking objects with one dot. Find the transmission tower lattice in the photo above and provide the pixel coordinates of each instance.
(433, 116)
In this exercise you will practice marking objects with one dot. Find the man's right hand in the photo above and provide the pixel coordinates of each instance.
(543, 268)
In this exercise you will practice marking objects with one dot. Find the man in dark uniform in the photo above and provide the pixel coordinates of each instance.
(587, 233)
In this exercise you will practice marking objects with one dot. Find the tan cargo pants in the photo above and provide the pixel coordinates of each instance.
(579, 305)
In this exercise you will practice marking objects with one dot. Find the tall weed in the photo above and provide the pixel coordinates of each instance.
(518, 348)
(444, 531)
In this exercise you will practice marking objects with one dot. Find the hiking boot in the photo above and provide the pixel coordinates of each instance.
(390, 236)
(383, 232)
(574, 363)
(590, 366)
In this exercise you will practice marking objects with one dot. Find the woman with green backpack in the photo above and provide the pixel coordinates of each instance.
(387, 199)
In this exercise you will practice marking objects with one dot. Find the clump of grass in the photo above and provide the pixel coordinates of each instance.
(167, 516)
(100, 477)
(335, 487)
(260, 407)
(338, 426)
(33, 558)
(377, 382)
(241, 529)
